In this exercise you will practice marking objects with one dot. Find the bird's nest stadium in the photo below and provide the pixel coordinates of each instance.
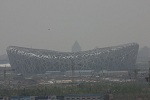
(36, 61)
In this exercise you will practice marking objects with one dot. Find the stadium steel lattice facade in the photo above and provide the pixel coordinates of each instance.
(28, 60)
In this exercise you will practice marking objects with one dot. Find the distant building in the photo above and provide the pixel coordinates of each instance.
(144, 54)
(4, 59)
(76, 47)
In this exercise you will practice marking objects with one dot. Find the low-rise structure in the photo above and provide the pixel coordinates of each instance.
(84, 97)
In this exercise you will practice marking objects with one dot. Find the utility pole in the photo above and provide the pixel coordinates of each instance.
(148, 78)
(4, 73)
(72, 68)
(149, 73)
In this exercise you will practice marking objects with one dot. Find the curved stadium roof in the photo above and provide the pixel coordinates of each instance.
(28, 60)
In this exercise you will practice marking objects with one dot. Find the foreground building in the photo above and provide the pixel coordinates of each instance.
(65, 97)
(85, 97)
(35, 61)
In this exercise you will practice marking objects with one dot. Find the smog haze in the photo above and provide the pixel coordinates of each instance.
(57, 24)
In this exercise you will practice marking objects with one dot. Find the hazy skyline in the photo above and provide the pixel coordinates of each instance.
(93, 23)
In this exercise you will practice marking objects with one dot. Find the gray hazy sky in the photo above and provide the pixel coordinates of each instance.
(92, 23)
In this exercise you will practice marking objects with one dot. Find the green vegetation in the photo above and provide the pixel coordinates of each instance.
(117, 89)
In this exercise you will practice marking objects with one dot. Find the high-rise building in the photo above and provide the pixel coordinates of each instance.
(76, 47)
